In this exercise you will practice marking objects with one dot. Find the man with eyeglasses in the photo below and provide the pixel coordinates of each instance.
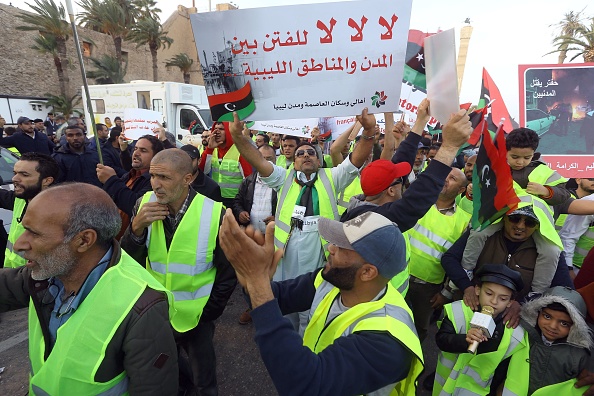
(305, 193)
(511, 242)
(82, 340)
(26, 139)
(577, 232)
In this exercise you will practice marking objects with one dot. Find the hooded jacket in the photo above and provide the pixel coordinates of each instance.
(206, 157)
(564, 359)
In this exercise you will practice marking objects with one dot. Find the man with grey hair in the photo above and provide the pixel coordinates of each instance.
(74, 269)
(174, 232)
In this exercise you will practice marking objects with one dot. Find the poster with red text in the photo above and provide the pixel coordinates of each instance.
(303, 61)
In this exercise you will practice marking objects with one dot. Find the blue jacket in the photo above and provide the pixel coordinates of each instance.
(352, 365)
(77, 167)
(26, 144)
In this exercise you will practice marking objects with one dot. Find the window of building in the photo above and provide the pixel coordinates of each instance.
(86, 47)
(125, 56)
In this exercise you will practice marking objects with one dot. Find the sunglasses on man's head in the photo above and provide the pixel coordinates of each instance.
(301, 153)
(528, 221)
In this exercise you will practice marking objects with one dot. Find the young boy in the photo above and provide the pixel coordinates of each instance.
(458, 369)
(533, 176)
(559, 341)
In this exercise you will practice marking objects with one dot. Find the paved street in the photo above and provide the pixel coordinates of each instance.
(240, 369)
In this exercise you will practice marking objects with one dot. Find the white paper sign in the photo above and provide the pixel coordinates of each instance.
(442, 76)
(139, 122)
(304, 61)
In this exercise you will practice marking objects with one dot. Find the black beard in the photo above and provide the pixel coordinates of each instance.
(30, 192)
(342, 278)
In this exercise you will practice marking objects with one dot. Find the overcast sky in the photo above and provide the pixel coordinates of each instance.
(506, 33)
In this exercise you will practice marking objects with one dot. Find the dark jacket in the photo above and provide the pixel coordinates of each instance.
(26, 144)
(207, 187)
(244, 199)
(419, 197)
(565, 358)
(111, 157)
(352, 365)
(77, 167)
(523, 260)
(143, 344)
(125, 198)
(225, 279)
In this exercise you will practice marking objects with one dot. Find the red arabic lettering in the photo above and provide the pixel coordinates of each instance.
(389, 26)
(359, 29)
(322, 26)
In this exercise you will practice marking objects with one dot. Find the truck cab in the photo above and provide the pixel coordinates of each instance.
(184, 107)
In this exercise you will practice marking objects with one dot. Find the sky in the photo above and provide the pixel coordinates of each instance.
(506, 33)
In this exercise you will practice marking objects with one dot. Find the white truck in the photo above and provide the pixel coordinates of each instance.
(13, 107)
(180, 104)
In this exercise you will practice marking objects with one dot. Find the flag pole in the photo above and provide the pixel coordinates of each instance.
(84, 78)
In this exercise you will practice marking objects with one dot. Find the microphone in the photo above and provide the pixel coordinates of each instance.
(484, 321)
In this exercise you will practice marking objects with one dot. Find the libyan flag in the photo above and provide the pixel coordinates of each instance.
(491, 97)
(492, 184)
(414, 63)
(222, 106)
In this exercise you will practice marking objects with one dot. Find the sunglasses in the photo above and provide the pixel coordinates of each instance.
(399, 180)
(301, 153)
(528, 221)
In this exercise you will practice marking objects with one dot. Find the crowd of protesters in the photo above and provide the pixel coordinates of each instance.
(346, 252)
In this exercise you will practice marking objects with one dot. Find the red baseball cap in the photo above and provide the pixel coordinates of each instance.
(378, 175)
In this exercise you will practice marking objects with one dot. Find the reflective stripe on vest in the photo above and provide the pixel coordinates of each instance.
(227, 173)
(290, 192)
(430, 238)
(345, 196)
(468, 374)
(186, 268)
(72, 365)
(390, 313)
(11, 258)
(544, 175)
(582, 247)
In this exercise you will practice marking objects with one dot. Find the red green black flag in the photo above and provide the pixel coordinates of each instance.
(222, 106)
(491, 97)
(492, 184)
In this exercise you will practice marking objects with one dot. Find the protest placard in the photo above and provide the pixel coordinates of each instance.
(139, 122)
(303, 61)
(442, 76)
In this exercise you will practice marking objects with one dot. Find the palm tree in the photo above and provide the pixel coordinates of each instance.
(582, 41)
(148, 31)
(47, 44)
(108, 17)
(184, 62)
(63, 104)
(568, 27)
(107, 70)
(50, 20)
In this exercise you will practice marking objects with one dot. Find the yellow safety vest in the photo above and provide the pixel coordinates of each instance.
(14, 150)
(186, 269)
(544, 214)
(517, 381)
(400, 282)
(81, 342)
(281, 160)
(430, 238)
(288, 195)
(344, 197)
(469, 374)
(544, 175)
(227, 173)
(11, 258)
(390, 314)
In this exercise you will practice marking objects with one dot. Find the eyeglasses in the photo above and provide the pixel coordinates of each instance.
(590, 179)
(397, 181)
(301, 153)
(528, 221)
